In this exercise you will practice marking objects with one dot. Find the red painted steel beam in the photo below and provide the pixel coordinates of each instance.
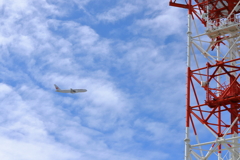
(188, 97)
(225, 103)
(185, 6)
(218, 8)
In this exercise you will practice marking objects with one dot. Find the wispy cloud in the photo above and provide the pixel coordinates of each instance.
(119, 12)
(164, 24)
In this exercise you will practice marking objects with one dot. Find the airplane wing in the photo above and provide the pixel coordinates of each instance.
(80, 90)
(64, 91)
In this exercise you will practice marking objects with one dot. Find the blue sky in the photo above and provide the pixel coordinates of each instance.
(130, 55)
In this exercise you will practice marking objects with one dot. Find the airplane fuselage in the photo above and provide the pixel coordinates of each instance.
(70, 90)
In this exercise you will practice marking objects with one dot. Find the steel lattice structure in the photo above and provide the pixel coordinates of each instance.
(213, 79)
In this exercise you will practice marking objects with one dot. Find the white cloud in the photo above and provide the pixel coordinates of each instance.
(159, 132)
(81, 3)
(168, 22)
(13, 149)
(23, 131)
(4, 90)
(119, 12)
(103, 101)
(39, 50)
(33, 124)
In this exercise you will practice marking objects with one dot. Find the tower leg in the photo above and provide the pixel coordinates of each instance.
(187, 144)
(187, 139)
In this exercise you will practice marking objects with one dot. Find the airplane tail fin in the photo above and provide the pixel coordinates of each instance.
(57, 88)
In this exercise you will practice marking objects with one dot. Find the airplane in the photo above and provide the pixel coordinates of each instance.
(70, 90)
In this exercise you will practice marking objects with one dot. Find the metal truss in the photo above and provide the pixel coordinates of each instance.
(213, 79)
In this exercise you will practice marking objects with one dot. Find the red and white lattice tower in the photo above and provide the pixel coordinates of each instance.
(213, 79)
